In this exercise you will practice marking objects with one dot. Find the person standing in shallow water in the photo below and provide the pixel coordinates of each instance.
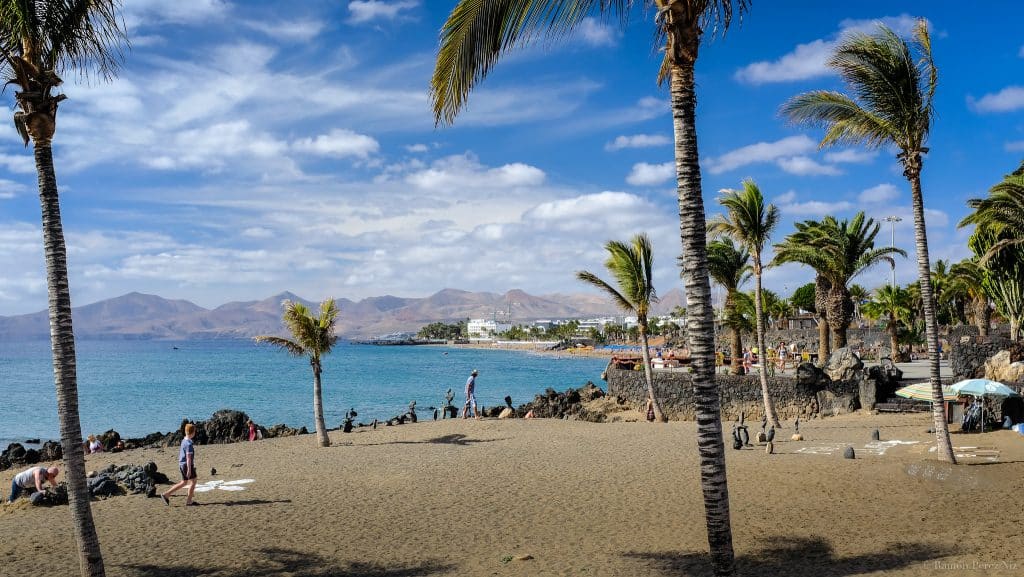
(470, 396)
(187, 465)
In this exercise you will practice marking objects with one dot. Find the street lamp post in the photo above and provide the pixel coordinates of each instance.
(892, 220)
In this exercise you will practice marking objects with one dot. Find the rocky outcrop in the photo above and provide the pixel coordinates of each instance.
(843, 365)
(51, 451)
(567, 405)
(16, 455)
(1003, 367)
(224, 426)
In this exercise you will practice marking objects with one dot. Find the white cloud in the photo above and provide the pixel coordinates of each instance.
(1006, 100)
(20, 163)
(816, 208)
(761, 152)
(789, 204)
(882, 193)
(808, 60)
(1020, 53)
(637, 141)
(597, 33)
(362, 11)
(645, 174)
(786, 197)
(464, 172)
(851, 155)
(417, 148)
(9, 189)
(151, 12)
(1014, 146)
(289, 30)
(338, 143)
(805, 61)
(804, 166)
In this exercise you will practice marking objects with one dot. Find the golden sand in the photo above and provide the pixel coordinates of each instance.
(549, 497)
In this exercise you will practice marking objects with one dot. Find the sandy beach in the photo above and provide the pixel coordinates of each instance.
(551, 497)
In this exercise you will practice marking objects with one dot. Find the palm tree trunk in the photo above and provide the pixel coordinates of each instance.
(649, 375)
(982, 315)
(62, 344)
(762, 352)
(700, 316)
(894, 340)
(821, 287)
(945, 447)
(318, 408)
(737, 351)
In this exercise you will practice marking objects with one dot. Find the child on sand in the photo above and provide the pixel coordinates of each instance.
(187, 465)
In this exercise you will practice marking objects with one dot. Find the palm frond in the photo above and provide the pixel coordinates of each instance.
(286, 344)
(478, 32)
(621, 301)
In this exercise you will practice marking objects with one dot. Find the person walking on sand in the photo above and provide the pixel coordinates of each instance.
(32, 478)
(470, 396)
(187, 465)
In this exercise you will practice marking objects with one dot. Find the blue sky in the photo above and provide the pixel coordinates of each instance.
(251, 147)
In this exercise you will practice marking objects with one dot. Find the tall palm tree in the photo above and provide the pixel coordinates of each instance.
(478, 32)
(631, 267)
(894, 86)
(750, 222)
(40, 42)
(313, 337)
(729, 266)
(838, 250)
(893, 303)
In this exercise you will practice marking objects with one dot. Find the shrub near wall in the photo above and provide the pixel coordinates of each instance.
(739, 393)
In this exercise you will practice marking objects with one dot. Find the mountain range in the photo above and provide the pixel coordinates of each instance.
(141, 316)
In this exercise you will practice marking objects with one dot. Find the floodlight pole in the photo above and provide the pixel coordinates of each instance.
(892, 220)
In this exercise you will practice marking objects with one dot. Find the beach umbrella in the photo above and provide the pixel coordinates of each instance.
(983, 388)
(923, 392)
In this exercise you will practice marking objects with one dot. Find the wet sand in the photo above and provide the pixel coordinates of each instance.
(475, 498)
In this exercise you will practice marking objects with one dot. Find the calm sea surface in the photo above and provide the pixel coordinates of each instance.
(138, 387)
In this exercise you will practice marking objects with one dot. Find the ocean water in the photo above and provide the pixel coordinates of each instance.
(138, 387)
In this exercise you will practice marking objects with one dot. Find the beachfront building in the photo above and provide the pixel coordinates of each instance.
(599, 323)
(486, 329)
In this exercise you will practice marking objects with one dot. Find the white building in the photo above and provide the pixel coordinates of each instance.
(486, 329)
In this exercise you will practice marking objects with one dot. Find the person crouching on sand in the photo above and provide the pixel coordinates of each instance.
(470, 396)
(187, 465)
(32, 479)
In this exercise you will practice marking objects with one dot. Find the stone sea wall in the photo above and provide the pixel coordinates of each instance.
(793, 397)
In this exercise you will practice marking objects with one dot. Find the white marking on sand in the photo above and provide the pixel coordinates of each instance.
(222, 485)
(880, 447)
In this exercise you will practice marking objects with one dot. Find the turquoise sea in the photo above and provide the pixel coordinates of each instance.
(138, 387)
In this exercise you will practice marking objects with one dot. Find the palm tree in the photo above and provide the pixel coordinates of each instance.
(967, 278)
(893, 303)
(478, 32)
(1002, 212)
(838, 251)
(894, 90)
(748, 221)
(41, 41)
(776, 308)
(631, 266)
(858, 295)
(313, 336)
(729, 266)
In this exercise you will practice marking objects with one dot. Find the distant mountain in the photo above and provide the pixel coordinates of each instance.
(141, 316)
